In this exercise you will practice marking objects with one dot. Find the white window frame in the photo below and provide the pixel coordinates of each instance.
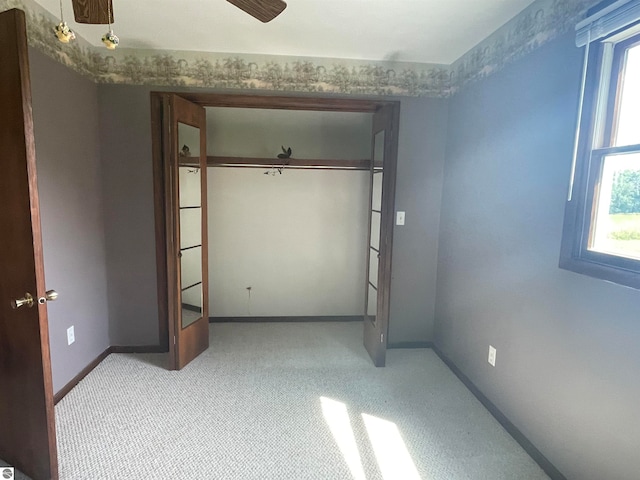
(600, 94)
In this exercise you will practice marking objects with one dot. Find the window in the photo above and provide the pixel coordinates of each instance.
(602, 220)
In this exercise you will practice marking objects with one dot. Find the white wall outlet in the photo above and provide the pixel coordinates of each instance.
(71, 336)
(492, 356)
(399, 218)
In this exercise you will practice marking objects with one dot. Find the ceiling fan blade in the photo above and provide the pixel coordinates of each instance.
(263, 10)
(93, 11)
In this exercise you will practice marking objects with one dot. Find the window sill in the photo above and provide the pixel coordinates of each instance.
(601, 271)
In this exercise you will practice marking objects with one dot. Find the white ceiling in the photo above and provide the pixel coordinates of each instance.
(427, 31)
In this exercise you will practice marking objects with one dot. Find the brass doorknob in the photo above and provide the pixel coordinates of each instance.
(49, 296)
(21, 302)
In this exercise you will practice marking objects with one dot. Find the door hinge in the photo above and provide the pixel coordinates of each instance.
(174, 339)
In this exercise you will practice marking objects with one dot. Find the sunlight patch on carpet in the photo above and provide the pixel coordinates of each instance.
(337, 417)
(391, 452)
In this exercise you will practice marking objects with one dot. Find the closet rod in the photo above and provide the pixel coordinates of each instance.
(252, 162)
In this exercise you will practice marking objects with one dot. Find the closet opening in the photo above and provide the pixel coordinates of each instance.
(290, 214)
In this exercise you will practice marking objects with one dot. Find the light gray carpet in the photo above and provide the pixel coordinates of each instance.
(282, 401)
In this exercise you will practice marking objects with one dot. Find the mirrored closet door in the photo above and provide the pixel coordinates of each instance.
(187, 252)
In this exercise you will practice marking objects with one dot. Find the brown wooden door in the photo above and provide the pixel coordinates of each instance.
(384, 148)
(27, 428)
(186, 229)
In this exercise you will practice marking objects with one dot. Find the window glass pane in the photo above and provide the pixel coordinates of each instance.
(191, 266)
(628, 127)
(188, 141)
(191, 305)
(189, 186)
(376, 201)
(375, 230)
(372, 303)
(374, 262)
(616, 226)
(190, 227)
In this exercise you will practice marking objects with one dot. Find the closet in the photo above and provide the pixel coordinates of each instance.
(287, 241)
(272, 207)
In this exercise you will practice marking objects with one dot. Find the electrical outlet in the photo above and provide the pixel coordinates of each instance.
(400, 218)
(71, 336)
(492, 356)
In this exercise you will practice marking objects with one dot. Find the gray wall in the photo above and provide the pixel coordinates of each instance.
(423, 127)
(127, 182)
(567, 345)
(129, 224)
(65, 107)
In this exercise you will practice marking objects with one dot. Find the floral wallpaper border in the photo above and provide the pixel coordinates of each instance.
(279, 73)
(539, 23)
(231, 71)
(78, 55)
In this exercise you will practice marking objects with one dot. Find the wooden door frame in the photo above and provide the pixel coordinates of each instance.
(160, 144)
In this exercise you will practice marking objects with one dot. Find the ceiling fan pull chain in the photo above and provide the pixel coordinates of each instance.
(110, 39)
(62, 30)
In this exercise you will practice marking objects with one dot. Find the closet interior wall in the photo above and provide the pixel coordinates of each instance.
(287, 242)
